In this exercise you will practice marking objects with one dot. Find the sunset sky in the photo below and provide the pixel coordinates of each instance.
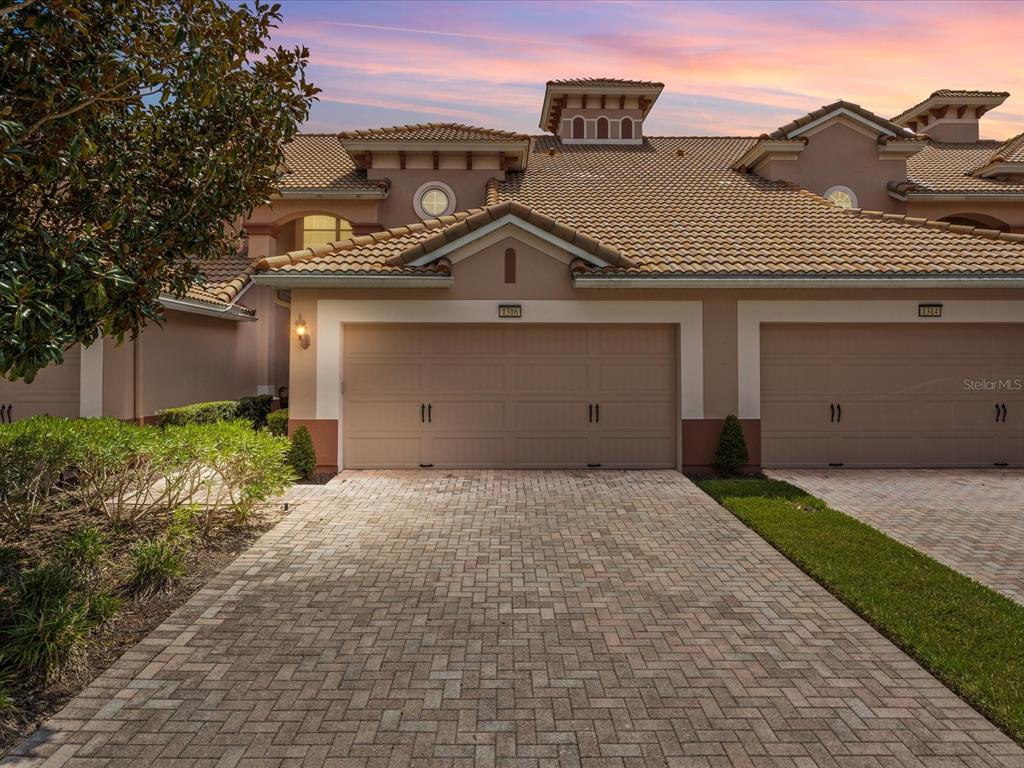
(738, 68)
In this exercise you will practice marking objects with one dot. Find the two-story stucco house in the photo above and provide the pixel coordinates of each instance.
(852, 287)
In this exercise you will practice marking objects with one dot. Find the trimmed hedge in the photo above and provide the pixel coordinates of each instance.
(302, 455)
(255, 409)
(200, 413)
(277, 422)
(731, 456)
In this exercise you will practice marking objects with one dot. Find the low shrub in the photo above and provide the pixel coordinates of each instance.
(37, 452)
(255, 410)
(156, 564)
(82, 550)
(277, 422)
(731, 456)
(53, 613)
(301, 454)
(199, 413)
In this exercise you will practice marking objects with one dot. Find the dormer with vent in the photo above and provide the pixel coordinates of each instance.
(598, 110)
(950, 115)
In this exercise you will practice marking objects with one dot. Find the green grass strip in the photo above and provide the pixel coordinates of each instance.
(965, 634)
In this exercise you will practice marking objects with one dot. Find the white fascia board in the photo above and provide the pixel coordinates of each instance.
(338, 194)
(513, 220)
(228, 312)
(328, 280)
(598, 281)
(831, 115)
(964, 197)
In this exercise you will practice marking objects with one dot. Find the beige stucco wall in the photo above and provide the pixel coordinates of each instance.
(190, 359)
(842, 155)
(54, 390)
(470, 188)
(541, 276)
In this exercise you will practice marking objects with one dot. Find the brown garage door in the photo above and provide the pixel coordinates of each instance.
(892, 395)
(53, 392)
(509, 396)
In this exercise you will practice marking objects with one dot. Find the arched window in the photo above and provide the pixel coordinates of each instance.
(627, 128)
(320, 230)
(602, 127)
(578, 129)
(842, 196)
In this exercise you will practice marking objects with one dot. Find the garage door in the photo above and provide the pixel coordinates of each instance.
(892, 395)
(509, 396)
(53, 392)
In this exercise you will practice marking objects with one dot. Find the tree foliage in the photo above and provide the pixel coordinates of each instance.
(132, 133)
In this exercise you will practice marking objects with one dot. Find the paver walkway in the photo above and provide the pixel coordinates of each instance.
(970, 519)
(597, 619)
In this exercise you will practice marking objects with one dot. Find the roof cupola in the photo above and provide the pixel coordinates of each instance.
(598, 110)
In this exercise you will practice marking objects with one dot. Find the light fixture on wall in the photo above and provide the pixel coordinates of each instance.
(302, 331)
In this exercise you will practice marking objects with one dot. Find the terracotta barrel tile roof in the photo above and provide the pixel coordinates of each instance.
(432, 132)
(784, 131)
(674, 206)
(1011, 151)
(946, 168)
(318, 161)
(950, 93)
(603, 82)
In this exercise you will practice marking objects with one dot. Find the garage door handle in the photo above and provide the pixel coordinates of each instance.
(1004, 412)
(423, 412)
(831, 412)
(590, 412)
(430, 417)
(839, 413)
(597, 413)
(997, 412)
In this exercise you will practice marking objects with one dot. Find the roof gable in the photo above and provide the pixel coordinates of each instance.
(837, 110)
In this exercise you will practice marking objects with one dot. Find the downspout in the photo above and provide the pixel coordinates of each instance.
(280, 300)
(136, 380)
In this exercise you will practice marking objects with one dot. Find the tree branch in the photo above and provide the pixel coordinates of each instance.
(101, 96)
(7, 10)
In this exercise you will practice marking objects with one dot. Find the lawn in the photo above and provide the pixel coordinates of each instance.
(967, 635)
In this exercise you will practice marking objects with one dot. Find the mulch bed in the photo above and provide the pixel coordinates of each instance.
(36, 700)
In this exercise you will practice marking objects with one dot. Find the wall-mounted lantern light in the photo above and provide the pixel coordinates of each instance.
(302, 331)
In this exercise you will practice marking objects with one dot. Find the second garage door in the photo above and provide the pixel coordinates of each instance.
(528, 396)
(892, 395)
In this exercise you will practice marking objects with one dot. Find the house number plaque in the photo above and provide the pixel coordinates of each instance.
(929, 310)
(510, 310)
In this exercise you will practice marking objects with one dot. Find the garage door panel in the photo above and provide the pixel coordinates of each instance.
(468, 451)
(383, 415)
(547, 413)
(383, 378)
(463, 341)
(798, 340)
(550, 377)
(382, 451)
(552, 341)
(638, 378)
(463, 377)
(631, 341)
(794, 379)
(511, 396)
(383, 341)
(903, 395)
(467, 414)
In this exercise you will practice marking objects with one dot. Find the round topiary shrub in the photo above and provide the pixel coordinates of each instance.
(302, 455)
(731, 455)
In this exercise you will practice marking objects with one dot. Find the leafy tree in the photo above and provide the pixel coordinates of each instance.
(132, 134)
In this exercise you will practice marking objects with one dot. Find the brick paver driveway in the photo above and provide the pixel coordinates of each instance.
(971, 520)
(519, 619)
